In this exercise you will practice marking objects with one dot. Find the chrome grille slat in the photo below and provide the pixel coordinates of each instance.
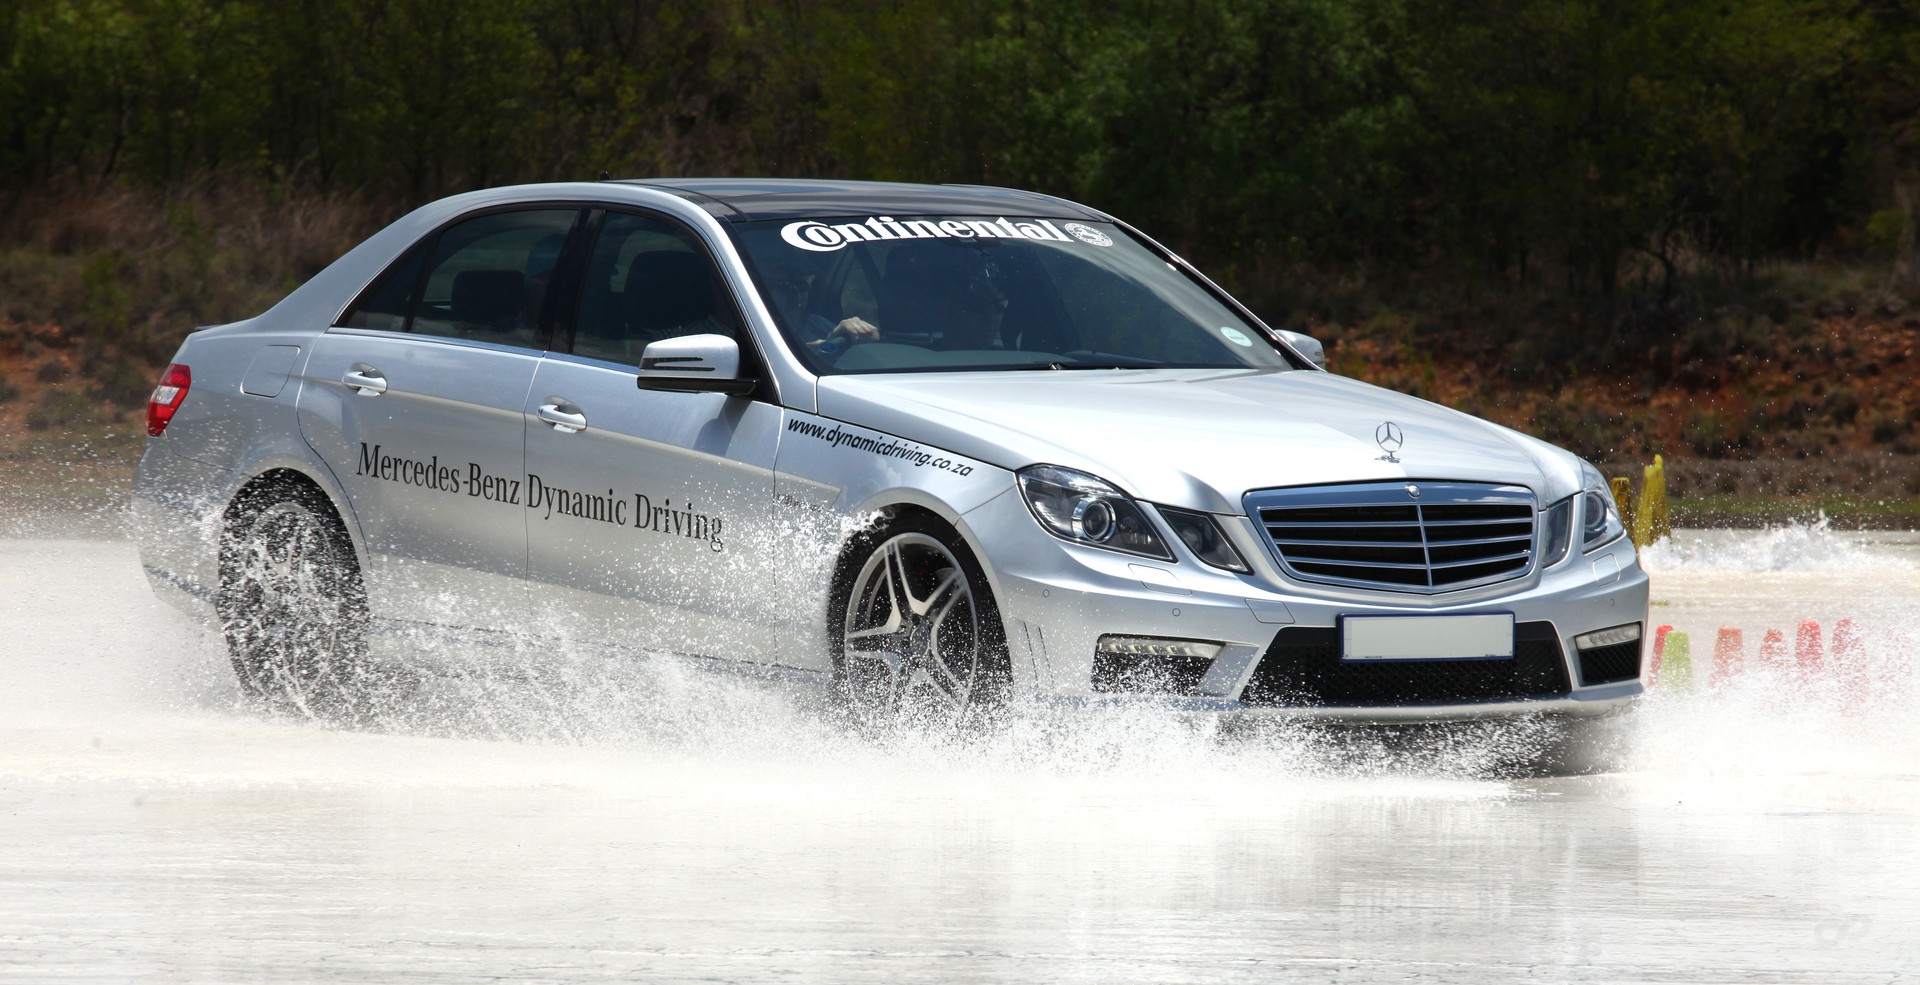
(1337, 523)
(1477, 541)
(1329, 562)
(1455, 535)
(1352, 543)
(1482, 560)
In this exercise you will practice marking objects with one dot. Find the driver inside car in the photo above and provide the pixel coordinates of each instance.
(940, 296)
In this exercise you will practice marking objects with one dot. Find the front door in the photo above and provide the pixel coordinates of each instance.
(649, 517)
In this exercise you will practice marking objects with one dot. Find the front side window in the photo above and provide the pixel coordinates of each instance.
(485, 280)
(878, 294)
(648, 280)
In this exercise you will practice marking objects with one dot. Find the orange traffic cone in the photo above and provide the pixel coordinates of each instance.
(1773, 650)
(1729, 656)
(1808, 651)
(1850, 661)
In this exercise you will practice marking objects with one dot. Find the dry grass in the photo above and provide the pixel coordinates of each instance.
(98, 285)
(104, 282)
(1808, 387)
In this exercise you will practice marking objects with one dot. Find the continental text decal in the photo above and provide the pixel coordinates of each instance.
(820, 237)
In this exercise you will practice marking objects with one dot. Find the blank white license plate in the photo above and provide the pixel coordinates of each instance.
(1475, 637)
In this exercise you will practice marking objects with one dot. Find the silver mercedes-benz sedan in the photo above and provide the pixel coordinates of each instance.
(943, 447)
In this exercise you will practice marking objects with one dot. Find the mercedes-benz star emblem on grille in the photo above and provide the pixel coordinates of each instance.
(1390, 438)
(1413, 491)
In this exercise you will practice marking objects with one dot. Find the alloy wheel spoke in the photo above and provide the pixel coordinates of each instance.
(928, 678)
(888, 630)
(950, 681)
(897, 583)
(950, 593)
(893, 660)
(960, 669)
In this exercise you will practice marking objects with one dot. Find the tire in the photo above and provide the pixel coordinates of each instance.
(292, 605)
(916, 637)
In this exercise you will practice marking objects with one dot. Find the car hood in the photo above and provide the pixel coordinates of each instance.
(1196, 438)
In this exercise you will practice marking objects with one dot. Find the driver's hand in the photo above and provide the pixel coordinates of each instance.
(855, 330)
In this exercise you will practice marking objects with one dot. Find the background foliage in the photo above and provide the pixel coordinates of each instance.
(1550, 186)
(1511, 136)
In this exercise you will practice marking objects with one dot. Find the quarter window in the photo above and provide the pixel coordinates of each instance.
(386, 304)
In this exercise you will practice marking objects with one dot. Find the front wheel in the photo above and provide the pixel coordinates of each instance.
(291, 603)
(918, 639)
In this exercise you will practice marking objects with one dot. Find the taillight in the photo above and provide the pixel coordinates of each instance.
(166, 399)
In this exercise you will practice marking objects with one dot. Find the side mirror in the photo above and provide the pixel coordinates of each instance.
(1307, 346)
(694, 364)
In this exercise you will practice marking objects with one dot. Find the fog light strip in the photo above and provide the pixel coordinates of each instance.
(1607, 637)
(1144, 646)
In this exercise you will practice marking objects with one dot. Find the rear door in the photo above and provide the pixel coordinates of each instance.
(415, 403)
(649, 520)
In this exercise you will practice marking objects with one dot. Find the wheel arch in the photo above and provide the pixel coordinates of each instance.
(263, 483)
(853, 551)
(907, 500)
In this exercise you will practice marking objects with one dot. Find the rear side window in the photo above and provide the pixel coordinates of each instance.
(486, 281)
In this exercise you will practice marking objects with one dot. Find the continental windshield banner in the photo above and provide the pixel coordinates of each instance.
(820, 237)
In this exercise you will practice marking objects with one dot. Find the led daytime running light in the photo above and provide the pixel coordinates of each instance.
(1607, 637)
(1146, 646)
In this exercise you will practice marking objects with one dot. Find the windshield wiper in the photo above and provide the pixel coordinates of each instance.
(1105, 365)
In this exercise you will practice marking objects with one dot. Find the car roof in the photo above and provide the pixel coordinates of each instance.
(739, 199)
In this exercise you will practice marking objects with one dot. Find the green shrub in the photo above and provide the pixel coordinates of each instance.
(1886, 231)
(61, 407)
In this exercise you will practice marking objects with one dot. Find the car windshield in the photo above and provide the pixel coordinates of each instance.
(878, 294)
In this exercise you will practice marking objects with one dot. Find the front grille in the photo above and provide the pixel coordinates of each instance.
(1303, 669)
(1607, 664)
(1452, 535)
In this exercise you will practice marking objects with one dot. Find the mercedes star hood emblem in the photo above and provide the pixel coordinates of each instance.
(1389, 436)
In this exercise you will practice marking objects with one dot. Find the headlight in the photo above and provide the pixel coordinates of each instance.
(1078, 507)
(1557, 521)
(1600, 521)
(1201, 533)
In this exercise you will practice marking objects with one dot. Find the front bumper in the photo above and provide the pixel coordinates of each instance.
(1058, 599)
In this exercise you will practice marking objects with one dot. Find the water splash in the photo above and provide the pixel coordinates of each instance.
(1797, 547)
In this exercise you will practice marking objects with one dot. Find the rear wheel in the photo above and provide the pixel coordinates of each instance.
(292, 605)
(918, 639)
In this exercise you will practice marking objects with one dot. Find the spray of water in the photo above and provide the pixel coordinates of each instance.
(1847, 704)
(575, 711)
(1796, 548)
(1855, 713)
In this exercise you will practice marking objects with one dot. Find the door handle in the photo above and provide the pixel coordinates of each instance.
(365, 380)
(563, 415)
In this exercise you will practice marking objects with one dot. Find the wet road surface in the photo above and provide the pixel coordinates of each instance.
(588, 823)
